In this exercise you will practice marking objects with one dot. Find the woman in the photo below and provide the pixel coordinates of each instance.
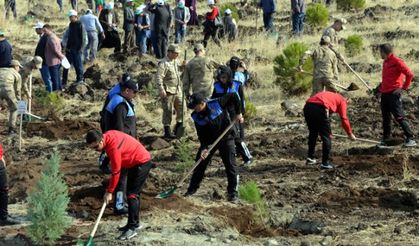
(210, 27)
(142, 29)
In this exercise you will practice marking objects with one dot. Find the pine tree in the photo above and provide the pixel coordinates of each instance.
(47, 205)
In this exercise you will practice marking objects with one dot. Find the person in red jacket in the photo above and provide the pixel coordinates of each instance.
(5, 219)
(210, 27)
(316, 113)
(396, 78)
(126, 152)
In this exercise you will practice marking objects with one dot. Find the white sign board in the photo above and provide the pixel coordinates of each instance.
(21, 107)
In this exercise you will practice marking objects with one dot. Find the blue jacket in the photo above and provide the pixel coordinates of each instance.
(5, 53)
(268, 6)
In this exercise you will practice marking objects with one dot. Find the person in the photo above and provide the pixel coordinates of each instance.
(210, 27)
(268, 9)
(73, 4)
(170, 90)
(333, 32)
(211, 119)
(99, 6)
(89, 4)
(142, 29)
(5, 51)
(74, 41)
(239, 69)
(160, 27)
(124, 152)
(109, 21)
(10, 5)
(229, 26)
(226, 85)
(391, 88)
(182, 16)
(191, 5)
(5, 218)
(316, 113)
(93, 27)
(198, 73)
(10, 91)
(53, 57)
(30, 63)
(325, 70)
(60, 5)
(129, 20)
(298, 9)
(40, 51)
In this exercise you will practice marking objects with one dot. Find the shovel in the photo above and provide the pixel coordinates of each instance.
(181, 129)
(357, 75)
(167, 193)
(92, 234)
(351, 87)
(358, 139)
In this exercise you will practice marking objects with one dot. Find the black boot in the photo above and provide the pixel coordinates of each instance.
(167, 133)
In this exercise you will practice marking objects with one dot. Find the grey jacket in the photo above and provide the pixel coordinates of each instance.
(298, 6)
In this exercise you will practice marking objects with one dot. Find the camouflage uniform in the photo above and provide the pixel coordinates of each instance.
(10, 86)
(334, 37)
(25, 73)
(199, 74)
(168, 78)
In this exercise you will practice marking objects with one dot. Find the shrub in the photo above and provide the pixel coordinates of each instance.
(52, 101)
(350, 4)
(353, 45)
(251, 193)
(317, 15)
(292, 82)
(184, 154)
(232, 7)
(47, 205)
(250, 110)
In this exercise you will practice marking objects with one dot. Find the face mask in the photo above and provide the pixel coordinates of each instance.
(181, 5)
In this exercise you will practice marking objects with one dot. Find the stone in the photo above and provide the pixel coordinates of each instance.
(271, 242)
(159, 143)
(305, 243)
(78, 89)
(326, 241)
(306, 227)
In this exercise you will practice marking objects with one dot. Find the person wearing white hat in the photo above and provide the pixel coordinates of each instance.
(40, 51)
(210, 27)
(142, 28)
(182, 16)
(93, 27)
(229, 26)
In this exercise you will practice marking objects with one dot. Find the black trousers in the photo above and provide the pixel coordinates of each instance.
(211, 32)
(318, 123)
(10, 5)
(136, 178)
(241, 147)
(119, 201)
(227, 152)
(392, 105)
(4, 196)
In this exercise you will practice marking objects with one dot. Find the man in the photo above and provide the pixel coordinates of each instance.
(10, 91)
(60, 5)
(211, 119)
(170, 89)
(109, 21)
(391, 88)
(53, 57)
(73, 4)
(124, 152)
(93, 27)
(316, 113)
(5, 219)
(74, 41)
(268, 8)
(5, 51)
(198, 76)
(229, 26)
(325, 70)
(29, 64)
(40, 51)
(182, 16)
(333, 32)
(129, 21)
(10, 5)
(160, 28)
(298, 13)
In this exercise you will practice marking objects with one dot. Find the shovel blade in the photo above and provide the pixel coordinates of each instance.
(180, 131)
(84, 243)
(353, 87)
(167, 193)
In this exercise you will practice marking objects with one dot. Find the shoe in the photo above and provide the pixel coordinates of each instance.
(233, 198)
(327, 166)
(120, 211)
(8, 221)
(189, 193)
(167, 133)
(248, 162)
(126, 227)
(128, 234)
(409, 143)
(311, 161)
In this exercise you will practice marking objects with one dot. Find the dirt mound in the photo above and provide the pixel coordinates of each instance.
(67, 129)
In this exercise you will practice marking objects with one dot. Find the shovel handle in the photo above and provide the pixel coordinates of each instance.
(102, 210)
(357, 75)
(358, 139)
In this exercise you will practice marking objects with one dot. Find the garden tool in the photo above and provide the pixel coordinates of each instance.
(359, 139)
(357, 75)
(92, 234)
(180, 130)
(167, 193)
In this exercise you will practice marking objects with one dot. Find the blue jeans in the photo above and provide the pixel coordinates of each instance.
(60, 4)
(141, 40)
(54, 71)
(298, 23)
(268, 21)
(46, 77)
(180, 34)
(74, 57)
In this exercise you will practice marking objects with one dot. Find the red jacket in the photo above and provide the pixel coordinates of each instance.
(1, 151)
(335, 103)
(394, 71)
(213, 14)
(123, 151)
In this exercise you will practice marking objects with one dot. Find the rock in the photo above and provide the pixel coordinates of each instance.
(397, 230)
(326, 241)
(85, 214)
(159, 143)
(216, 195)
(78, 89)
(271, 242)
(281, 218)
(361, 227)
(306, 227)
(398, 200)
(305, 243)
(93, 72)
(227, 241)
(266, 141)
(291, 108)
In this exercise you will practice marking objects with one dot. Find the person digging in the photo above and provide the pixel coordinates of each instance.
(126, 152)
(316, 113)
(211, 119)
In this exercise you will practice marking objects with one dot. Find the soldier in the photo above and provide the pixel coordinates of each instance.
(10, 91)
(30, 64)
(325, 71)
(170, 88)
(333, 32)
(198, 76)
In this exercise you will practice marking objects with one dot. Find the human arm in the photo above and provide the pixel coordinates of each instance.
(116, 161)
(231, 99)
(342, 111)
(119, 115)
(307, 54)
(18, 86)
(85, 39)
(187, 15)
(213, 14)
(65, 38)
(160, 74)
(99, 26)
(186, 82)
(242, 101)
(407, 73)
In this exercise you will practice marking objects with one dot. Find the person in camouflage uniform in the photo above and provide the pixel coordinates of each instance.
(325, 71)
(10, 91)
(29, 64)
(170, 89)
(333, 32)
(198, 76)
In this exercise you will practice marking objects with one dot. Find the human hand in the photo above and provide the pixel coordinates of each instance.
(204, 154)
(103, 35)
(163, 93)
(352, 137)
(107, 197)
(240, 118)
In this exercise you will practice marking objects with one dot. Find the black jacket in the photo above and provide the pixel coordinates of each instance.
(119, 115)
(5, 53)
(40, 48)
(75, 36)
(221, 89)
(162, 18)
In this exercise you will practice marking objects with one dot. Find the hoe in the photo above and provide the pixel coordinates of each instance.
(92, 234)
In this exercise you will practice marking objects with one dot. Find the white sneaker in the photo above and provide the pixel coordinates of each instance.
(311, 161)
(409, 143)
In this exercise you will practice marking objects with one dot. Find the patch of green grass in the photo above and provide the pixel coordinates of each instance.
(52, 101)
(250, 192)
(351, 4)
(184, 155)
(354, 45)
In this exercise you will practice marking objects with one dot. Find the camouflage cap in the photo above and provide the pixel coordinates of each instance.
(37, 61)
(15, 63)
(174, 48)
(326, 39)
(198, 47)
(343, 22)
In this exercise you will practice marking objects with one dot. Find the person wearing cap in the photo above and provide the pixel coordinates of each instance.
(129, 21)
(109, 20)
(211, 118)
(239, 69)
(40, 51)
(29, 64)
(229, 26)
(74, 41)
(161, 26)
(333, 32)
(142, 29)
(210, 29)
(169, 85)
(268, 9)
(124, 152)
(10, 5)
(298, 10)
(5, 51)
(53, 57)
(10, 91)
(181, 16)
(325, 70)
(93, 27)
